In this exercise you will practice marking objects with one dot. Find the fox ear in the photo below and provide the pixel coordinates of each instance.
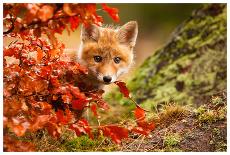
(127, 34)
(90, 32)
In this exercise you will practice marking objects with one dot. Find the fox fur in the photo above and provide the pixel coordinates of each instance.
(107, 51)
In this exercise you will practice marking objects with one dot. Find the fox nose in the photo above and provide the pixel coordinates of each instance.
(107, 79)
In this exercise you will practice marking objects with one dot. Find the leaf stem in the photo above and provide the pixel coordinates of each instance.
(137, 104)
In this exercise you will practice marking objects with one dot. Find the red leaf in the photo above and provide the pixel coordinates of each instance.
(143, 127)
(39, 54)
(62, 117)
(97, 97)
(76, 92)
(45, 13)
(10, 52)
(139, 114)
(80, 127)
(39, 122)
(113, 12)
(53, 129)
(74, 22)
(12, 145)
(140, 130)
(45, 71)
(19, 130)
(79, 104)
(54, 81)
(67, 98)
(115, 133)
(94, 109)
(123, 89)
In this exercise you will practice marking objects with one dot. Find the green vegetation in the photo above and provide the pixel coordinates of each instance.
(172, 139)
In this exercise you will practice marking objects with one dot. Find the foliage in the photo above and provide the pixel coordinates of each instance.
(45, 90)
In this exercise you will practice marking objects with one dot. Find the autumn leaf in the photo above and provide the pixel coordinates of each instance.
(39, 122)
(123, 89)
(74, 22)
(19, 130)
(39, 55)
(45, 71)
(79, 104)
(81, 127)
(113, 12)
(54, 81)
(45, 13)
(97, 97)
(139, 114)
(116, 133)
(93, 108)
(143, 127)
(63, 116)
(69, 9)
(12, 145)
(53, 129)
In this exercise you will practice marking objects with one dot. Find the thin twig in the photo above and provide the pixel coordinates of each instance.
(140, 143)
(137, 104)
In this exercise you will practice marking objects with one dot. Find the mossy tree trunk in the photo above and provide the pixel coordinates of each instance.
(191, 66)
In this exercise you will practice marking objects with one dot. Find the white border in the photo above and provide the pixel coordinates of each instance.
(109, 1)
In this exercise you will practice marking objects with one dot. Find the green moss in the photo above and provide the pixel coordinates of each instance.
(205, 115)
(85, 144)
(172, 140)
(217, 100)
(221, 147)
(82, 143)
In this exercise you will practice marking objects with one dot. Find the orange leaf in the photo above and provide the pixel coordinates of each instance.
(45, 13)
(79, 104)
(53, 129)
(74, 22)
(62, 117)
(113, 12)
(39, 122)
(94, 109)
(80, 127)
(143, 126)
(116, 133)
(39, 54)
(19, 130)
(139, 114)
(123, 89)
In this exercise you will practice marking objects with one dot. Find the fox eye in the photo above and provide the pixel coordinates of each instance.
(97, 58)
(117, 60)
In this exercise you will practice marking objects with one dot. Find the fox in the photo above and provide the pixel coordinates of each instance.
(107, 52)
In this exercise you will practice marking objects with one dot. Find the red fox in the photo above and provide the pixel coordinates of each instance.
(107, 52)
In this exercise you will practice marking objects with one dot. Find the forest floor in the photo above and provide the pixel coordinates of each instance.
(178, 128)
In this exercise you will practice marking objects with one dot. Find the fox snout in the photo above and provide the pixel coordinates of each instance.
(105, 74)
(107, 79)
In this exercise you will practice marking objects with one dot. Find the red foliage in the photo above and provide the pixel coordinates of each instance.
(123, 89)
(143, 127)
(82, 126)
(115, 132)
(43, 91)
(113, 12)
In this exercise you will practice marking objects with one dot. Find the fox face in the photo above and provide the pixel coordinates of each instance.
(107, 51)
